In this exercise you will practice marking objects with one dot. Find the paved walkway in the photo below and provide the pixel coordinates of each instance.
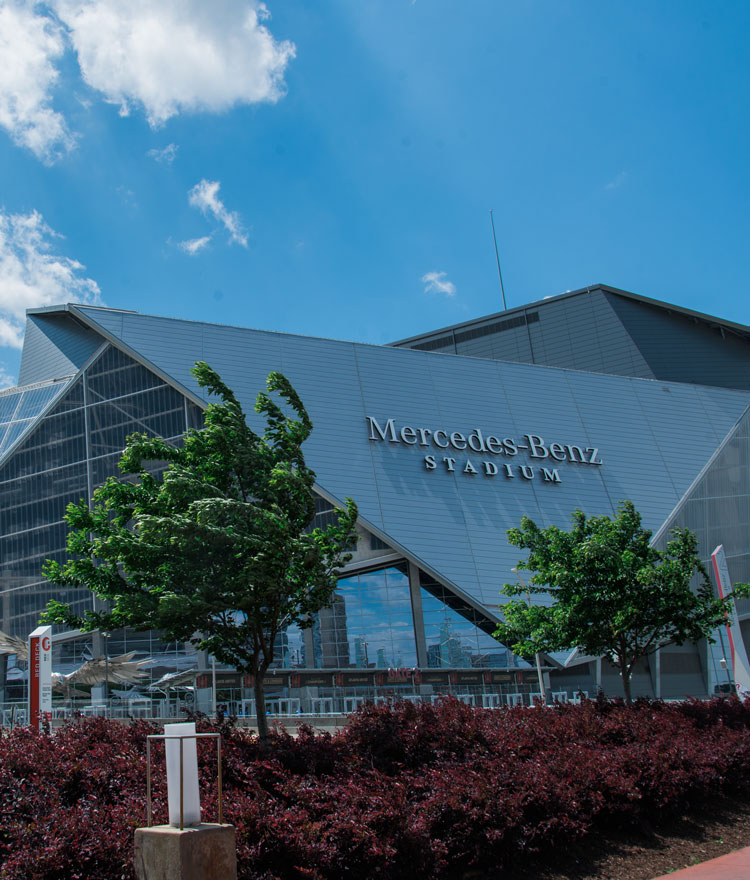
(734, 866)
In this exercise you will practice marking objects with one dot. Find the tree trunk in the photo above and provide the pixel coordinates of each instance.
(626, 683)
(260, 706)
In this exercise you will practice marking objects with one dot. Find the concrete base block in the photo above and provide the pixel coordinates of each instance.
(205, 852)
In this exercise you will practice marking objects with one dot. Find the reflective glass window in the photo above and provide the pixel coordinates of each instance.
(73, 398)
(289, 650)
(13, 432)
(115, 374)
(34, 400)
(156, 412)
(455, 643)
(8, 405)
(195, 416)
(368, 625)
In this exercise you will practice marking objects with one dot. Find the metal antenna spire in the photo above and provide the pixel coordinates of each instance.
(497, 257)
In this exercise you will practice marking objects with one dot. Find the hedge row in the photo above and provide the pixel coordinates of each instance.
(440, 790)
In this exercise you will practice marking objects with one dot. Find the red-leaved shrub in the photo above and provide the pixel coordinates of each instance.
(437, 791)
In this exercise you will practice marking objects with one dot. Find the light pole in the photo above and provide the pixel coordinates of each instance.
(542, 689)
(105, 638)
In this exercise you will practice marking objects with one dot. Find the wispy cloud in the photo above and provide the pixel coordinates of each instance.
(616, 181)
(175, 56)
(437, 282)
(33, 274)
(167, 155)
(205, 197)
(6, 380)
(193, 245)
(30, 44)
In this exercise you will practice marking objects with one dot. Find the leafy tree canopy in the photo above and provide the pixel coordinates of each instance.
(611, 592)
(219, 550)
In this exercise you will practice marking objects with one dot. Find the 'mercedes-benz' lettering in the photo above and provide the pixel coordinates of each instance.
(480, 448)
(381, 432)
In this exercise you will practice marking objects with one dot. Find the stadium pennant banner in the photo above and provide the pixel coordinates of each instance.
(740, 666)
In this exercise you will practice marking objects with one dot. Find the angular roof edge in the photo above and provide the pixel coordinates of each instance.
(741, 329)
(666, 526)
(77, 312)
(171, 380)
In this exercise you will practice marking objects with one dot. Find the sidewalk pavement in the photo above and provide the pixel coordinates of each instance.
(734, 866)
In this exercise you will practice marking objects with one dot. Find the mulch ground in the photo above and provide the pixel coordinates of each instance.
(707, 831)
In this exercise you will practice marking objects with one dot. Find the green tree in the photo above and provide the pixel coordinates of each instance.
(611, 592)
(218, 551)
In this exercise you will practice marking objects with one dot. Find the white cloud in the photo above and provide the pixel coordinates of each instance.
(193, 245)
(6, 380)
(30, 43)
(32, 274)
(437, 282)
(167, 155)
(164, 58)
(617, 181)
(205, 196)
(176, 55)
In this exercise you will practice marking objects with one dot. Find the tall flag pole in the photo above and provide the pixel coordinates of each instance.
(497, 258)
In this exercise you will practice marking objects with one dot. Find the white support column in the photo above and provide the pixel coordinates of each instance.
(415, 592)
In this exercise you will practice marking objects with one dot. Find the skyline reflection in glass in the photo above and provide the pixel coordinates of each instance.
(369, 625)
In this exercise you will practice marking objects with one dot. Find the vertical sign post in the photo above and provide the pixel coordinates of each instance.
(40, 676)
(183, 795)
(740, 666)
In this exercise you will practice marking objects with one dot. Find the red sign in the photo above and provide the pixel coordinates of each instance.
(40, 676)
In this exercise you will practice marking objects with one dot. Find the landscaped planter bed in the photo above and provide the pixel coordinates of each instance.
(438, 791)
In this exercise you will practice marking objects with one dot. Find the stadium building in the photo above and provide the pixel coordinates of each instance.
(444, 440)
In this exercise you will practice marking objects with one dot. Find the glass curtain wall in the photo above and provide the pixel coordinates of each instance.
(455, 643)
(70, 452)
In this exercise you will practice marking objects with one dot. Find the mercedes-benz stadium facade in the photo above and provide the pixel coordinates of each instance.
(444, 440)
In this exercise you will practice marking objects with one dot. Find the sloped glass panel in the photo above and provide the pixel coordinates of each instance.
(54, 442)
(115, 374)
(35, 400)
(8, 404)
(158, 411)
(454, 643)
(72, 400)
(14, 431)
(457, 635)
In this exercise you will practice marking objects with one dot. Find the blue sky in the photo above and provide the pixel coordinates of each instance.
(328, 168)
